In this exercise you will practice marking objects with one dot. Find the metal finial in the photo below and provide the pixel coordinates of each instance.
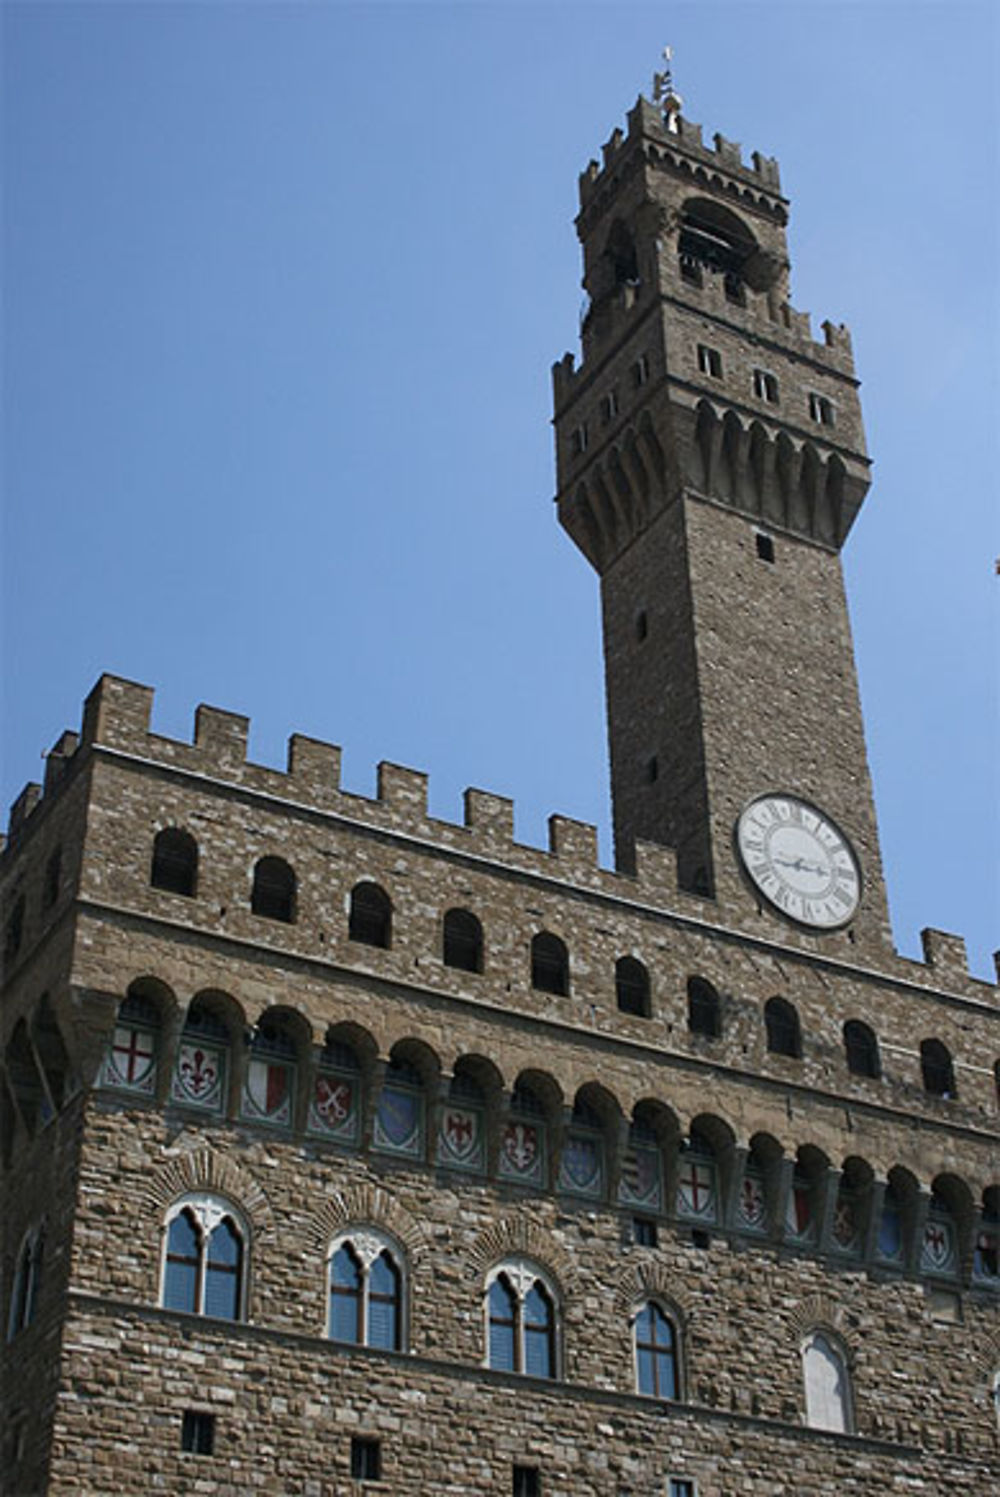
(665, 94)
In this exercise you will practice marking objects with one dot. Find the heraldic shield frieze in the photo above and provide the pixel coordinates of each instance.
(399, 1121)
(199, 1075)
(939, 1255)
(641, 1181)
(799, 1211)
(751, 1207)
(581, 1170)
(131, 1061)
(334, 1109)
(267, 1091)
(522, 1152)
(847, 1223)
(697, 1189)
(461, 1140)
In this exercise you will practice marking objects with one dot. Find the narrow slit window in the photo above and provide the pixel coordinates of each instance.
(822, 410)
(765, 386)
(765, 546)
(709, 361)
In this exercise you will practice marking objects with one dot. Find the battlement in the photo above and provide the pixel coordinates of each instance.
(646, 124)
(117, 718)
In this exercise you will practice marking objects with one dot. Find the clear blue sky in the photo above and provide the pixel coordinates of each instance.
(282, 287)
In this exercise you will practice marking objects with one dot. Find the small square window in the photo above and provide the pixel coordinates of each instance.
(765, 386)
(735, 290)
(198, 1432)
(644, 1233)
(765, 545)
(680, 1486)
(709, 361)
(366, 1459)
(526, 1482)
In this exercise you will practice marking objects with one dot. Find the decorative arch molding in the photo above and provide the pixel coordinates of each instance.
(515, 1237)
(652, 1280)
(200, 1169)
(820, 1312)
(367, 1205)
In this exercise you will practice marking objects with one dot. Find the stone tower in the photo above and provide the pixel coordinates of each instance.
(711, 460)
(347, 1150)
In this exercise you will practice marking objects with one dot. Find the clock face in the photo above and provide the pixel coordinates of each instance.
(800, 860)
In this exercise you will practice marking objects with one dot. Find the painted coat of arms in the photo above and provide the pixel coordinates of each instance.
(696, 1191)
(334, 1106)
(640, 1183)
(398, 1121)
(131, 1061)
(267, 1095)
(521, 1154)
(198, 1075)
(461, 1142)
(580, 1167)
(753, 1202)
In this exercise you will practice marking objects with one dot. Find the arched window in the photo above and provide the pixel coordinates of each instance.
(549, 964)
(704, 1011)
(463, 941)
(827, 1385)
(270, 1075)
(937, 1069)
(366, 1290)
(521, 1311)
(523, 1139)
(130, 1062)
(370, 916)
(25, 1079)
(203, 1271)
(861, 1049)
(399, 1112)
(632, 987)
(656, 1361)
(273, 893)
(175, 861)
(986, 1254)
(53, 879)
(784, 1036)
(335, 1109)
(27, 1281)
(201, 1073)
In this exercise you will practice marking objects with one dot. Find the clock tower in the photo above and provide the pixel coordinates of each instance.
(711, 461)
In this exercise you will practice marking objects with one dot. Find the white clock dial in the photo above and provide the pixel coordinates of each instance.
(799, 860)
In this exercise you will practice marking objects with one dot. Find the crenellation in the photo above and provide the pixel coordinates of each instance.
(314, 766)
(117, 713)
(222, 737)
(574, 843)
(403, 791)
(945, 953)
(21, 810)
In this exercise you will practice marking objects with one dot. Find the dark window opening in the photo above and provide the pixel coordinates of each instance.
(622, 256)
(640, 370)
(632, 987)
(937, 1069)
(580, 440)
(861, 1048)
(273, 893)
(549, 964)
(366, 1458)
(713, 239)
(765, 546)
(644, 1233)
(704, 1008)
(652, 770)
(821, 410)
(526, 1481)
(53, 879)
(198, 1432)
(609, 407)
(14, 933)
(370, 918)
(709, 361)
(175, 862)
(735, 290)
(641, 625)
(765, 386)
(784, 1036)
(463, 941)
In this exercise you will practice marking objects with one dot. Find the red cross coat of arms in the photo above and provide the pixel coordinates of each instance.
(696, 1189)
(132, 1058)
